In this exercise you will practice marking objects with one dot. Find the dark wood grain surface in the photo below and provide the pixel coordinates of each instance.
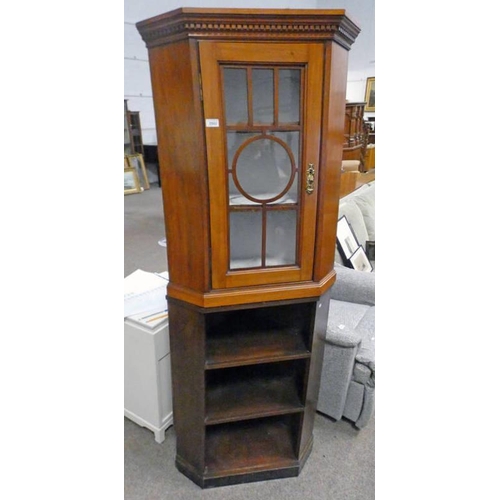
(254, 347)
(255, 391)
(250, 446)
(187, 350)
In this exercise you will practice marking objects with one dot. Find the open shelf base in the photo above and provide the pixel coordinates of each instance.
(245, 383)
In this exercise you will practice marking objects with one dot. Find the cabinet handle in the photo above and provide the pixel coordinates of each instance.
(310, 178)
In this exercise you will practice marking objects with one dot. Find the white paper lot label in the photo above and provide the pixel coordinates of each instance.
(212, 122)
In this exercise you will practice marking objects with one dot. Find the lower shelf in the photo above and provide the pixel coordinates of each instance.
(251, 446)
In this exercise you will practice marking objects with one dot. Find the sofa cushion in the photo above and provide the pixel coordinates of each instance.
(355, 218)
(356, 192)
(354, 401)
(366, 203)
(353, 286)
(366, 330)
(362, 374)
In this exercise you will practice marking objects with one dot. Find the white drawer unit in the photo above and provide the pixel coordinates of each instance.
(148, 382)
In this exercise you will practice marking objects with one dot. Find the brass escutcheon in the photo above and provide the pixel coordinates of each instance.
(310, 179)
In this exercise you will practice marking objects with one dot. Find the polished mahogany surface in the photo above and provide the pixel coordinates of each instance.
(249, 108)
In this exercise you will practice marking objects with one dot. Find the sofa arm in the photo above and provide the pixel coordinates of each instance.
(341, 346)
(353, 286)
(342, 337)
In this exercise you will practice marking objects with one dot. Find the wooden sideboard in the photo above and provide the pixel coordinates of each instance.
(354, 133)
(370, 158)
(133, 132)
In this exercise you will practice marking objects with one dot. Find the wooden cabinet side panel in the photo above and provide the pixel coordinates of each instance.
(187, 349)
(331, 158)
(181, 153)
(314, 372)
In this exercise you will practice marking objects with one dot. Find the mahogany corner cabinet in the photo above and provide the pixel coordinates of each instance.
(249, 108)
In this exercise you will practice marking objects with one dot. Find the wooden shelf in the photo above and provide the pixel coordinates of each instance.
(243, 393)
(246, 348)
(252, 336)
(250, 446)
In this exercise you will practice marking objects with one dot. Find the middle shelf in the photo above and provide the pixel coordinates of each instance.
(254, 391)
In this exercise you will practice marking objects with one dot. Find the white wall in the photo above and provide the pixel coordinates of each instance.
(362, 54)
(137, 84)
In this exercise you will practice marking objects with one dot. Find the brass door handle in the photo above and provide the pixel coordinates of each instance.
(310, 179)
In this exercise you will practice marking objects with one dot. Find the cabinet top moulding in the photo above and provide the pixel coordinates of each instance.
(250, 25)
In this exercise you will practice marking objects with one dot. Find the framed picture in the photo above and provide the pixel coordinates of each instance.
(360, 262)
(370, 94)
(370, 249)
(136, 161)
(346, 239)
(131, 181)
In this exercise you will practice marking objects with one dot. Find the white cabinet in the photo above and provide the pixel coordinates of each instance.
(148, 383)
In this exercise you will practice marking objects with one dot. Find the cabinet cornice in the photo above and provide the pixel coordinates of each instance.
(250, 25)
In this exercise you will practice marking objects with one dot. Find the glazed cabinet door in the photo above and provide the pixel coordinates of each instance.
(262, 110)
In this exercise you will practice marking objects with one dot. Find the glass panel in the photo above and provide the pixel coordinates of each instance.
(245, 230)
(263, 169)
(290, 196)
(281, 229)
(289, 96)
(291, 139)
(236, 197)
(235, 95)
(234, 141)
(263, 95)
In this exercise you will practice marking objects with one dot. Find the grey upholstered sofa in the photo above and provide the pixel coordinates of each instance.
(348, 378)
